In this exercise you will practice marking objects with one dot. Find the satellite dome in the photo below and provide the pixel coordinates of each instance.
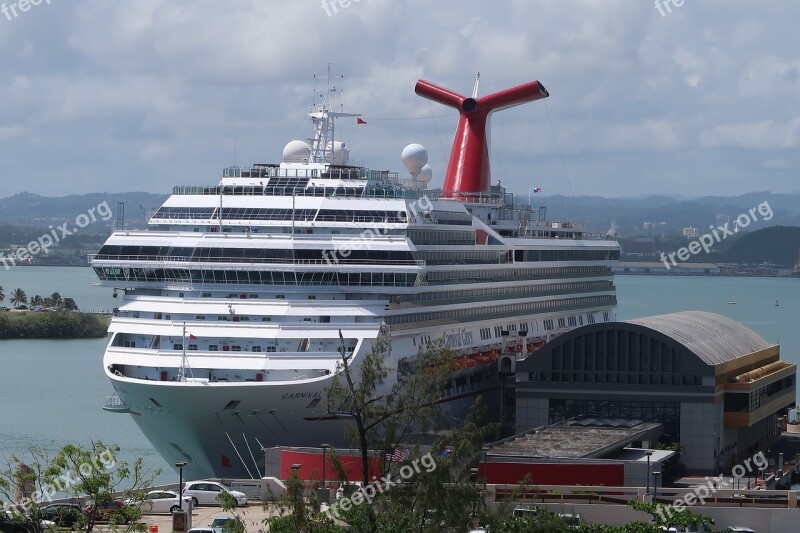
(296, 152)
(341, 153)
(414, 158)
(425, 174)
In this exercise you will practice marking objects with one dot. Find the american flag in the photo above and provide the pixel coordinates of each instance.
(397, 455)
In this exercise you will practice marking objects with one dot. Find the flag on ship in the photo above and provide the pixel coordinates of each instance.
(537, 189)
(360, 121)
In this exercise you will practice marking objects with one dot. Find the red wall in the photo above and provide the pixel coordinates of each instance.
(610, 475)
(312, 466)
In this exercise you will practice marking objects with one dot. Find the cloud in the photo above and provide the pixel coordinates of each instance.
(160, 88)
(760, 135)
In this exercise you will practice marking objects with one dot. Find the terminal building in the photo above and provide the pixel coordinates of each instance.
(713, 385)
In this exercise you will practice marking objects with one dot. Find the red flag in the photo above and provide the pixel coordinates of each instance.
(225, 461)
(192, 337)
(359, 121)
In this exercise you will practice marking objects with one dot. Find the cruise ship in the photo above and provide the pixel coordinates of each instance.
(240, 299)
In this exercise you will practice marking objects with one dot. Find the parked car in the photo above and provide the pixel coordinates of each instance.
(526, 509)
(158, 501)
(7, 525)
(62, 514)
(202, 530)
(206, 493)
(573, 521)
(220, 520)
(113, 510)
(740, 529)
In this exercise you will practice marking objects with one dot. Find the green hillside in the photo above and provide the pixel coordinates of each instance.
(776, 244)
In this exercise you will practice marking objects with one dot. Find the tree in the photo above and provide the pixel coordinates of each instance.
(33, 481)
(18, 297)
(70, 305)
(97, 474)
(2, 294)
(37, 300)
(58, 301)
(21, 480)
(383, 415)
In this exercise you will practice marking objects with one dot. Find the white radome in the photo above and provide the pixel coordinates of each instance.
(414, 157)
(296, 152)
(425, 174)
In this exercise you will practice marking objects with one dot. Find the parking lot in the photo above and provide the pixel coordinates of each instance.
(253, 515)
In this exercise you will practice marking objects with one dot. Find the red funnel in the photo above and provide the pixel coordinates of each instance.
(468, 170)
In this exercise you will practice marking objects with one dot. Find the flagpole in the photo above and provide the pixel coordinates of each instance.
(182, 369)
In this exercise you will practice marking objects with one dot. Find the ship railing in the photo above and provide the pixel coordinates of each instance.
(334, 258)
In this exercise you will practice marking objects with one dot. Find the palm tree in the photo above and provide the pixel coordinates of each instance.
(37, 300)
(18, 297)
(58, 301)
(2, 294)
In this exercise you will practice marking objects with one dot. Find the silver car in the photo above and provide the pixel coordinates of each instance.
(207, 492)
(158, 501)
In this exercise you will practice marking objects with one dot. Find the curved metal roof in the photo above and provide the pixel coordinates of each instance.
(713, 338)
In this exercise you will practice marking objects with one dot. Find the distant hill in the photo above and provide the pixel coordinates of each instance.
(33, 210)
(778, 245)
(630, 214)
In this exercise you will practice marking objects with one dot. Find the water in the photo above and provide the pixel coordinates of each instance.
(52, 391)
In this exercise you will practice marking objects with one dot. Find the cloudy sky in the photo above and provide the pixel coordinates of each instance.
(140, 95)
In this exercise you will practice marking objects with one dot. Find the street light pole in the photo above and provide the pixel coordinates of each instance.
(655, 486)
(324, 449)
(180, 466)
(647, 477)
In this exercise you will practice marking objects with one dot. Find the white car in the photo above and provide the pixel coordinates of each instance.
(206, 492)
(158, 501)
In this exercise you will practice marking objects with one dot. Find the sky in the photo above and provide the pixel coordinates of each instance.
(698, 98)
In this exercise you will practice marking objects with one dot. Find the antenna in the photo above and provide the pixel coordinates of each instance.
(475, 89)
(119, 223)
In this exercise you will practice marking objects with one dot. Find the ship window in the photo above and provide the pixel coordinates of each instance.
(266, 319)
(213, 348)
(256, 348)
(233, 404)
(206, 295)
(280, 296)
(177, 346)
(200, 317)
(271, 348)
(312, 297)
(236, 348)
(254, 296)
(193, 347)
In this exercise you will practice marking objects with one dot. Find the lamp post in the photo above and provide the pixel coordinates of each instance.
(324, 449)
(655, 486)
(180, 466)
(485, 450)
(647, 477)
